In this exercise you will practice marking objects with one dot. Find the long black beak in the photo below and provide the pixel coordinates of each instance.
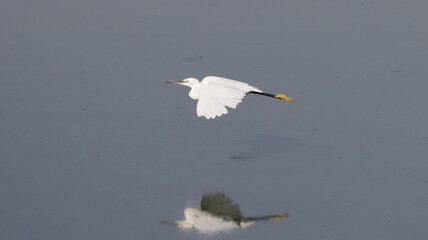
(175, 82)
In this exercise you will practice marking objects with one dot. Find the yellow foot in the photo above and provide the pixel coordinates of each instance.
(284, 97)
(279, 217)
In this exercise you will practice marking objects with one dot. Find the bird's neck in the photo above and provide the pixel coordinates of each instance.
(195, 92)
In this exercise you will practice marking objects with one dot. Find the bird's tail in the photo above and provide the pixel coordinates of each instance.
(277, 217)
(284, 97)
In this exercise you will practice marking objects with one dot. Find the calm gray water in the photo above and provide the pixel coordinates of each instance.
(94, 144)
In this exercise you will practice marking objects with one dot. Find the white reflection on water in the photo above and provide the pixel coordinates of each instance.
(219, 214)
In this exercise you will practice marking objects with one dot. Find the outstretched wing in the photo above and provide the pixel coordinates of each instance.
(218, 93)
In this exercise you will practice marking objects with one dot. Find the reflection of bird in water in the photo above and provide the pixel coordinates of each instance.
(218, 214)
(214, 94)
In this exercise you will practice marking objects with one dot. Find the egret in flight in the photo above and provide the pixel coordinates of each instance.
(214, 94)
(218, 214)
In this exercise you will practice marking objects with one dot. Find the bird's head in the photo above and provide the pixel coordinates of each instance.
(190, 82)
(191, 215)
(184, 224)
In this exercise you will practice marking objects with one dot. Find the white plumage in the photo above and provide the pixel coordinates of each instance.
(219, 93)
(218, 214)
(208, 223)
(214, 94)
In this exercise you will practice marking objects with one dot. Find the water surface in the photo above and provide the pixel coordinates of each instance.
(94, 145)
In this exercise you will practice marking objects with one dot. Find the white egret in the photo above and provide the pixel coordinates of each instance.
(218, 214)
(214, 94)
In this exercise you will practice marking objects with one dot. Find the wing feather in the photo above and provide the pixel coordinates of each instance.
(218, 93)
